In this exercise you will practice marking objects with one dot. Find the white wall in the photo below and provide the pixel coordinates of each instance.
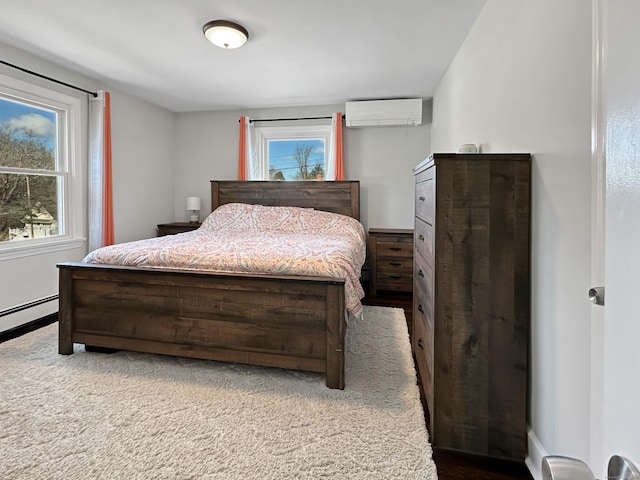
(32, 278)
(143, 167)
(142, 143)
(522, 83)
(381, 158)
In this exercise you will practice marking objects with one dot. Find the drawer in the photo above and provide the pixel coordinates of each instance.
(424, 175)
(394, 273)
(391, 235)
(395, 281)
(385, 248)
(390, 253)
(424, 239)
(392, 266)
(423, 281)
(425, 201)
(423, 351)
(423, 304)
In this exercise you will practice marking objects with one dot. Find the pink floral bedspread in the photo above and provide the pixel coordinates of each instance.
(257, 239)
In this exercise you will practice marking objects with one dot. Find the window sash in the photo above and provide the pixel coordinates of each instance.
(60, 183)
(68, 168)
(296, 132)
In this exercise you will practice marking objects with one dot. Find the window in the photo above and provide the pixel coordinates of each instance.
(293, 153)
(40, 179)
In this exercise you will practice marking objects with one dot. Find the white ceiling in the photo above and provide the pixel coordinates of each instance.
(300, 52)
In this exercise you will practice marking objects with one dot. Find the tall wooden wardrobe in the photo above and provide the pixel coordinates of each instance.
(472, 299)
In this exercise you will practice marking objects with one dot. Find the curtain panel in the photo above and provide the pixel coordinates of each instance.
(335, 162)
(249, 166)
(100, 189)
(242, 150)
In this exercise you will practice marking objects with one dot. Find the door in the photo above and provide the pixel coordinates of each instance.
(616, 326)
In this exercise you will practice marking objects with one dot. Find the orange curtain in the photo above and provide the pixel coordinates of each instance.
(339, 168)
(242, 150)
(107, 199)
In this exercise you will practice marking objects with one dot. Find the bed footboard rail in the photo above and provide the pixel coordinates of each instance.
(281, 321)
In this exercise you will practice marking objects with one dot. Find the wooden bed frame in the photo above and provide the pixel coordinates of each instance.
(295, 322)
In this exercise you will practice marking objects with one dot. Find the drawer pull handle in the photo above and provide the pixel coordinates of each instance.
(421, 237)
(395, 277)
(420, 309)
(422, 199)
(420, 273)
(395, 249)
(395, 264)
(420, 344)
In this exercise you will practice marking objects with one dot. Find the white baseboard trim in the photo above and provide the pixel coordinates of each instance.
(536, 452)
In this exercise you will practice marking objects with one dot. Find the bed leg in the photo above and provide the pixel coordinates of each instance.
(335, 378)
(335, 332)
(65, 343)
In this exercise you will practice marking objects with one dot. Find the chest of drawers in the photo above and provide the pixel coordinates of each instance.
(471, 299)
(390, 259)
(176, 227)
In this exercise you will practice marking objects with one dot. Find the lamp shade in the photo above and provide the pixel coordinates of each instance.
(193, 203)
(225, 34)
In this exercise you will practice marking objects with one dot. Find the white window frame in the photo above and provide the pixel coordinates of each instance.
(71, 210)
(293, 132)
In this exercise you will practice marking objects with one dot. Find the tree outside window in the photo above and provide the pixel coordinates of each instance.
(30, 181)
(293, 152)
(296, 159)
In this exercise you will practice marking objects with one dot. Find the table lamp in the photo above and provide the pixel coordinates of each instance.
(193, 205)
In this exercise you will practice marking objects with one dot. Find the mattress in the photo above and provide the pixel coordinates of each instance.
(245, 238)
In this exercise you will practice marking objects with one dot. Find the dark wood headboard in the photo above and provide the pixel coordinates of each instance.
(341, 196)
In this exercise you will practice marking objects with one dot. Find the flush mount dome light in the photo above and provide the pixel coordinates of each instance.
(225, 34)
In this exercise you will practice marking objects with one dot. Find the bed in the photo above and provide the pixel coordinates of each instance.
(278, 320)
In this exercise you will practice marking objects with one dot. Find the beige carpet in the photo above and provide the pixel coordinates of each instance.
(140, 416)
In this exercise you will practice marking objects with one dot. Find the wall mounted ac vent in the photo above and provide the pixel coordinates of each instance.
(384, 113)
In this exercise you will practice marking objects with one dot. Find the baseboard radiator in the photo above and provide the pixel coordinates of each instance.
(29, 326)
(25, 306)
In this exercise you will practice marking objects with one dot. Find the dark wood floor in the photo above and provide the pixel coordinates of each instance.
(454, 465)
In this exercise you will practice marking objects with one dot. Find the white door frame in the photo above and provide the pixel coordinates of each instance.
(598, 224)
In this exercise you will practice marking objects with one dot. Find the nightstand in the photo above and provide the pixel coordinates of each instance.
(176, 227)
(390, 259)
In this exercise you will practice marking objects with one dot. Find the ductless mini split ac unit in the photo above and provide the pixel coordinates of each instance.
(384, 113)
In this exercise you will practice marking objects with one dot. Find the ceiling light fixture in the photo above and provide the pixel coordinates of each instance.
(225, 34)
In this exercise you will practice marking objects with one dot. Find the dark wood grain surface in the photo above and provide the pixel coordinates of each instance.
(293, 322)
(453, 465)
(390, 258)
(471, 317)
(176, 227)
(339, 196)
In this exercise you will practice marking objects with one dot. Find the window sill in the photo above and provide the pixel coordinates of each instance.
(10, 252)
